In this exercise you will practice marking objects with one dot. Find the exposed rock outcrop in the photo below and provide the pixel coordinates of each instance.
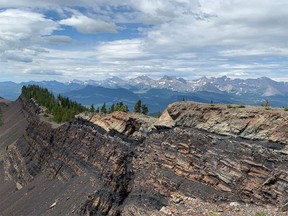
(254, 123)
(125, 175)
(130, 124)
(13, 121)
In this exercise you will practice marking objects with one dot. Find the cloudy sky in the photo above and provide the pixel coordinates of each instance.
(95, 39)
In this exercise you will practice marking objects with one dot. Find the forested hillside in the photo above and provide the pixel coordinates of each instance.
(62, 108)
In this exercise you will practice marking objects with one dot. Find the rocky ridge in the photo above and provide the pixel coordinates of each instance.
(125, 173)
(134, 125)
(255, 123)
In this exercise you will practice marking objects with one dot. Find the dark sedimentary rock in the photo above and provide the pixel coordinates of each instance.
(136, 177)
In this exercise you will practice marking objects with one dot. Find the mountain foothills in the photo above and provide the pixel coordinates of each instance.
(196, 159)
(157, 94)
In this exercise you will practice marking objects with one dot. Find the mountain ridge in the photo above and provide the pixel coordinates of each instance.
(217, 90)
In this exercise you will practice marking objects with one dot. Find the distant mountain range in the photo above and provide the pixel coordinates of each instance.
(157, 94)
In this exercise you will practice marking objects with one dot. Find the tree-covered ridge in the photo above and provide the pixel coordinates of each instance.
(62, 108)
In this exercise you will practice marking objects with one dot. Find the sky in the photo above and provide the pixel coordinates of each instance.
(96, 39)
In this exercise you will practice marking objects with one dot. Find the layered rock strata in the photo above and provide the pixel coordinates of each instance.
(132, 176)
(256, 123)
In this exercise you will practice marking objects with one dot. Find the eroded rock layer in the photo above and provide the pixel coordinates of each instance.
(256, 123)
(125, 175)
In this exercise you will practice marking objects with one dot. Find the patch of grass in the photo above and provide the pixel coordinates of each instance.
(260, 214)
(229, 106)
(240, 106)
(213, 213)
(286, 109)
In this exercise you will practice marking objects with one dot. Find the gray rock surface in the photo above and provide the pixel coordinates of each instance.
(100, 166)
(250, 122)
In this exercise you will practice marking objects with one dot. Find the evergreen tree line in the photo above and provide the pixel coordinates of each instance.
(62, 108)
(120, 106)
(141, 108)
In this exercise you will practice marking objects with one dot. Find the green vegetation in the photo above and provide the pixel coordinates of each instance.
(62, 108)
(103, 109)
(137, 107)
(92, 109)
(120, 106)
(286, 109)
(260, 214)
(141, 108)
(229, 106)
(213, 213)
(240, 106)
(144, 109)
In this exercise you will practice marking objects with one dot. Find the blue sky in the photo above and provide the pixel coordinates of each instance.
(97, 39)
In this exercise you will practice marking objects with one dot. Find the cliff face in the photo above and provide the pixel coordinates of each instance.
(13, 123)
(119, 173)
(134, 125)
(254, 123)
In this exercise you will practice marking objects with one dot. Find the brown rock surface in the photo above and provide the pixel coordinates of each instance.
(85, 169)
(130, 124)
(254, 123)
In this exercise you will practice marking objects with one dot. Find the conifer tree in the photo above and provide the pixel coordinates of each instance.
(111, 109)
(62, 108)
(103, 109)
(92, 109)
(145, 110)
(137, 107)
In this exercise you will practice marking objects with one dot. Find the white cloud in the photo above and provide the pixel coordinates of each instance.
(20, 32)
(189, 38)
(18, 25)
(276, 51)
(121, 50)
(85, 24)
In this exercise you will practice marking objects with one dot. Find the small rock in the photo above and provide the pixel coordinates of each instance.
(53, 205)
(234, 204)
(165, 210)
(178, 200)
(237, 209)
(18, 186)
